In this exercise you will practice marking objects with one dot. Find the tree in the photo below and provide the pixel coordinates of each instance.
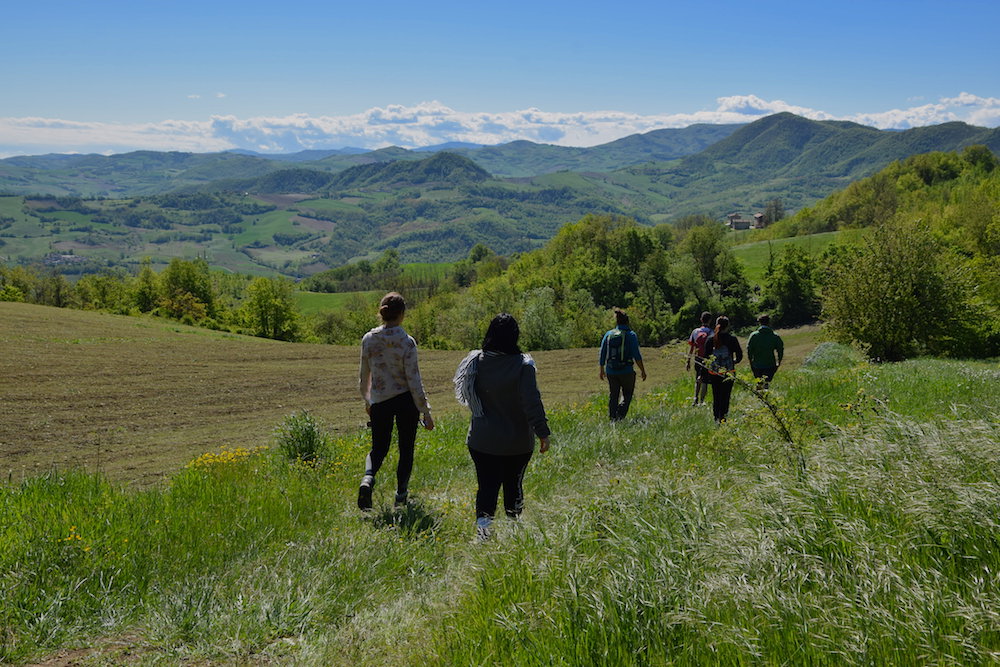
(774, 210)
(704, 243)
(894, 297)
(541, 327)
(790, 288)
(146, 288)
(269, 310)
(187, 290)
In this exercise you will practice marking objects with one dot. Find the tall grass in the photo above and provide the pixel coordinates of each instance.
(660, 540)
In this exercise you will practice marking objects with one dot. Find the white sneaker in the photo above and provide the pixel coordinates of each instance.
(483, 528)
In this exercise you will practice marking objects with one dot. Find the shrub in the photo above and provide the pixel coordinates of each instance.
(301, 437)
(896, 297)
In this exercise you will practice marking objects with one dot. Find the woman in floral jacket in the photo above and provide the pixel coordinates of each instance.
(389, 380)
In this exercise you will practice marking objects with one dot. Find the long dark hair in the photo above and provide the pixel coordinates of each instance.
(502, 335)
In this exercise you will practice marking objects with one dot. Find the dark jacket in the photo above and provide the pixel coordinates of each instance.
(727, 339)
(513, 413)
(762, 345)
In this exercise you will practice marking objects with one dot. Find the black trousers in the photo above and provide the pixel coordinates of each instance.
(623, 386)
(403, 411)
(494, 471)
(722, 391)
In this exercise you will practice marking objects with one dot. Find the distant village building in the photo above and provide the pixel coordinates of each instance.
(737, 221)
(55, 259)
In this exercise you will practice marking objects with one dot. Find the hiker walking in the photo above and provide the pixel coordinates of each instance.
(765, 350)
(723, 352)
(389, 380)
(619, 350)
(498, 385)
(696, 351)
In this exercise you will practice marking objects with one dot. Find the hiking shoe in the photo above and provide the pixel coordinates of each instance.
(401, 498)
(483, 528)
(365, 494)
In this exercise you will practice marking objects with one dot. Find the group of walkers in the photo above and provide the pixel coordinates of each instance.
(497, 383)
(715, 353)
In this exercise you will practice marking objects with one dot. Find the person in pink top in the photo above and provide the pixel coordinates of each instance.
(389, 380)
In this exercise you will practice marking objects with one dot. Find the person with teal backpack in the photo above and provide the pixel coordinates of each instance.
(619, 352)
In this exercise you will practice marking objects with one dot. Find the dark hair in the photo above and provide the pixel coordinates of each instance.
(502, 335)
(706, 317)
(391, 307)
(621, 318)
(764, 319)
(721, 324)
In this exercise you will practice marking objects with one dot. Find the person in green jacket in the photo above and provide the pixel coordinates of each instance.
(765, 349)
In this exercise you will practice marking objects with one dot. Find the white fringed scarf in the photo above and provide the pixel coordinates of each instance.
(465, 383)
(465, 379)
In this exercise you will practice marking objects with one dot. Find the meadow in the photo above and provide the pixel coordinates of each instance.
(755, 255)
(867, 537)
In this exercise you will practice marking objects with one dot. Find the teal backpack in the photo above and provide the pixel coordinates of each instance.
(617, 359)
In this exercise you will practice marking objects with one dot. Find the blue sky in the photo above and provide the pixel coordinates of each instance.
(109, 76)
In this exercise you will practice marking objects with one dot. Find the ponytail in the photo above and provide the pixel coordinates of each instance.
(721, 325)
(392, 307)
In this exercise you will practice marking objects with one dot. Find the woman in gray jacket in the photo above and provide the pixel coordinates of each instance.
(498, 385)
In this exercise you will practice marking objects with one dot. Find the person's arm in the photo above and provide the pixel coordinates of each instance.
(364, 378)
(737, 350)
(633, 340)
(603, 357)
(531, 403)
(781, 348)
(416, 384)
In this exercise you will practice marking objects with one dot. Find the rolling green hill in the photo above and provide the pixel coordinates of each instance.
(297, 217)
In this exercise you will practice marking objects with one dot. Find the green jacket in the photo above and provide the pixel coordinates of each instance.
(761, 347)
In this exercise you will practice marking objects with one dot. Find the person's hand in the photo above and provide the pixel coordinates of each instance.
(368, 409)
(643, 376)
(688, 364)
(428, 422)
(602, 372)
(543, 445)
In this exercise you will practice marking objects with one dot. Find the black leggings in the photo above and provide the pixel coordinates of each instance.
(404, 411)
(722, 391)
(494, 471)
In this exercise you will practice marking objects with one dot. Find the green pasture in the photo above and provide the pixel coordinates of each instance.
(327, 206)
(310, 303)
(263, 227)
(754, 256)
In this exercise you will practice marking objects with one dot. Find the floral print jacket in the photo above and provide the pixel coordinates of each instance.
(389, 367)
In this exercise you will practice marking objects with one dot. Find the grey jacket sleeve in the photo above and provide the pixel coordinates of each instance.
(531, 401)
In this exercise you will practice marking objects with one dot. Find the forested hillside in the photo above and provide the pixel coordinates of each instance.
(297, 218)
(920, 274)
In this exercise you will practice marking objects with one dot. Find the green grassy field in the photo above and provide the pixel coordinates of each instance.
(310, 303)
(755, 255)
(868, 538)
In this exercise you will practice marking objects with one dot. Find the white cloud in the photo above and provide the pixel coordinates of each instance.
(432, 123)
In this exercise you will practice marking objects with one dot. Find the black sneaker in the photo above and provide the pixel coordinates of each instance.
(365, 496)
(401, 498)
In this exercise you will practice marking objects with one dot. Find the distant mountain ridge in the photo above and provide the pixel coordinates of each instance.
(149, 172)
(252, 213)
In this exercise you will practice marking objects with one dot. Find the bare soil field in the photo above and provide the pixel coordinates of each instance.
(137, 398)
